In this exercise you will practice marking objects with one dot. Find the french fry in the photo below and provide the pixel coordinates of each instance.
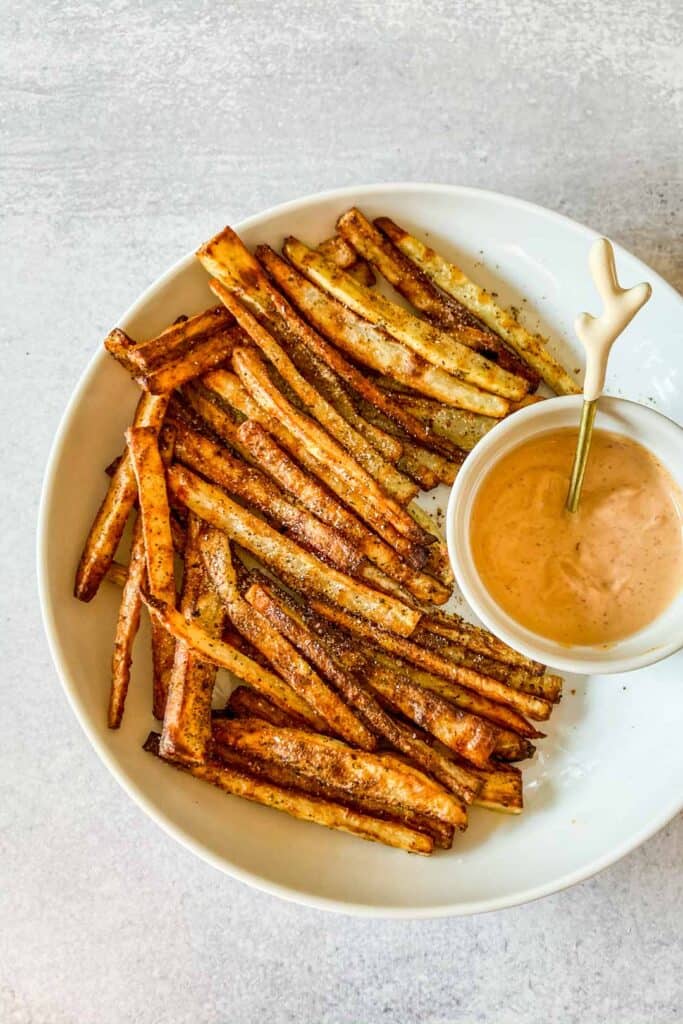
(306, 808)
(321, 653)
(510, 746)
(373, 347)
(452, 280)
(440, 309)
(461, 427)
(224, 655)
(126, 626)
(158, 539)
(117, 573)
(430, 343)
(297, 287)
(322, 503)
(178, 338)
(438, 563)
(503, 717)
(338, 250)
(204, 355)
(387, 515)
(547, 686)
(501, 790)
(279, 774)
(201, 454)
(284, 658)
(471, 737)
(186, 733)
(108, 525)
(416, 457)
(381, 777)
(458, 631)
(524, 703)
(296, 566)
(393, 482)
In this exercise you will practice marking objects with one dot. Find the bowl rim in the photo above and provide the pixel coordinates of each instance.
(503, 625)
(182, 836)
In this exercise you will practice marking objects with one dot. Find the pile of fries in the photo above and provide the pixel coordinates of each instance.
(277, 449)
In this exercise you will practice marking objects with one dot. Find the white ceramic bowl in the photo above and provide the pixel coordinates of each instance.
(610, 772)
(660, 435)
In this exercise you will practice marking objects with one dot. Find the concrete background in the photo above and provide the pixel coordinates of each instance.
(130, 132)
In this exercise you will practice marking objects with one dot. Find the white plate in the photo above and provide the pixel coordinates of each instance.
(610, 772)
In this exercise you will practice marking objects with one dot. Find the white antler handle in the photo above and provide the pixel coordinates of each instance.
(620, 305)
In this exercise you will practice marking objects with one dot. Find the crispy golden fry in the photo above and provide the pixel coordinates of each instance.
(324, 655)
(244, 702)
(381, 777)
(547, 686)
(387, 515)
(423, 464)
(298, 287)
(503, 717)
(531, 347)
(470, 736)
(220, 653)
(156, 529)
(323, 504)
(281, 775)
(501, 790)
(107, 528)
(338, 250)
(186, 732)
(430, 343)
(306, 808)
(373, 347)
(122, 347)
(201, 454)
(207, 353)
(316, 406)
(458, 631)
(178, 338)
(126, 626)
(524, 703)
(285, 659)
(296, 566)
(463, 428)
(440, 309)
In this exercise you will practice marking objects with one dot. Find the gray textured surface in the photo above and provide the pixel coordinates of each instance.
(130, 132)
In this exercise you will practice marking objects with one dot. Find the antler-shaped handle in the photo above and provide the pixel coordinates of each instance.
(620, 305)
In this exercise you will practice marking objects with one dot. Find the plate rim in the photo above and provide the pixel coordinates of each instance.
(180, 835)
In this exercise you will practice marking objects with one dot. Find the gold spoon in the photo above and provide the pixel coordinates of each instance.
(598, 334)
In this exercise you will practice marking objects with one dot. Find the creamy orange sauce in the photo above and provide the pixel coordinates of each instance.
(590, 577)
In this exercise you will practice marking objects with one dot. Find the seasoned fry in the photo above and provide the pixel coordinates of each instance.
(432, 344)
(315, 405)
(107, 528)
(417, 460)
(471, 737)
(215, 551)
(338, 250)
(126, 626)
(297, 287)
(440, 832)
(458, 425)
(186, 732)
(438, 563)
(547, 686)
(382, 777)
(501, 790)
(201, 454)
(451, 279)
(228, 657)
(502, 716)
(178, 338)
(440, 309)
(458, 631)
(122, 347)
(204, 355)
(296, 566)
(525, 703)
(156, 529)
(306, 808)
(322, 654)
(389, 518)
(510, 746)
(374, 347)
(322, 503)
(117, 573)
